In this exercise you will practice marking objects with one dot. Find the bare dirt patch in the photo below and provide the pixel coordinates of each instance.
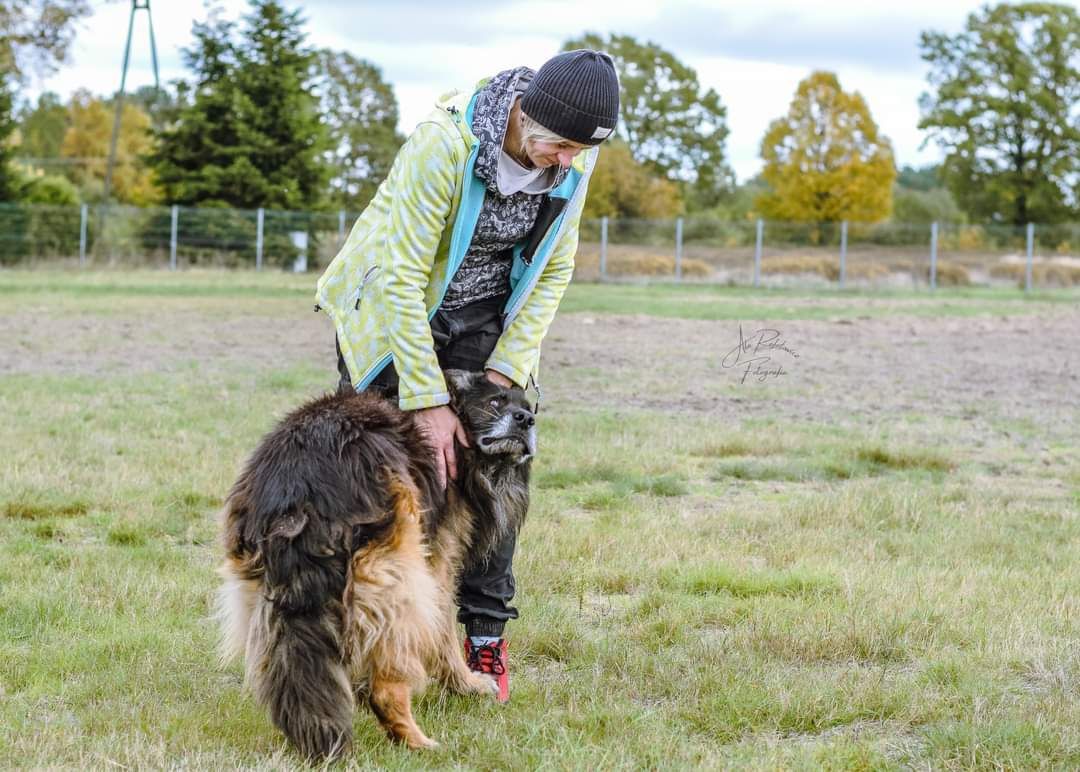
(862, 369)
(859, 369)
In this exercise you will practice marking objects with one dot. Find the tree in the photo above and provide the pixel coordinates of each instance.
(158, 103)
(42, 128)
(919, 178)
(361, 115)
(35, 34)
(86, 143)
(622, 187)
(1007, 111)
(911, 205)
(247, 131)
(825, 161)
(669, 123)
(48, 189)
(8, 178)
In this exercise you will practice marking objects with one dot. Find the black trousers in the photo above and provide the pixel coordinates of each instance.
(464, 339)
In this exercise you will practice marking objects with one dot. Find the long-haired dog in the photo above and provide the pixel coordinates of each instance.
(343, 555)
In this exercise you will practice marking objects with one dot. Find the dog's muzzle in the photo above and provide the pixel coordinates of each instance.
(513, 434)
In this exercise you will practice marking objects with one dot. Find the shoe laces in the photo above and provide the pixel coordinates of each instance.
(486, 658)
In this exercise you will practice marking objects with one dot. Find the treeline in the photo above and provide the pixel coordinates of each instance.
(266, 121)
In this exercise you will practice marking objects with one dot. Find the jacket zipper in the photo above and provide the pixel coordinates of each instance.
(364, 281)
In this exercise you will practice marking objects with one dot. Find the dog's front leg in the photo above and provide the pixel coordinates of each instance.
(448, 663)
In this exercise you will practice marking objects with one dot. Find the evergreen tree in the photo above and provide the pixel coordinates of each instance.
(246, 132)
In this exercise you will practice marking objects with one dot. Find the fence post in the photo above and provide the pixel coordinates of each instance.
(1030, 256)
(172, 237)
(603, 247)
(933, 255)
(843, 253)
(678, 249)
(757, 252)
(83, 214)
(341, 227)
(259, 241)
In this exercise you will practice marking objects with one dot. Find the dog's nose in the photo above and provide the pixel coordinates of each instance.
(524, 417)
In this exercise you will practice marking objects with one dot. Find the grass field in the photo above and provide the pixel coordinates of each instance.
(868, 561)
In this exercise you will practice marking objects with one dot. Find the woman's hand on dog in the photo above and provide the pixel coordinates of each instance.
(498, 378)
(441, 425)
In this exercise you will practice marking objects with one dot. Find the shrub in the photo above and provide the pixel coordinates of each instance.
(950, 275)
(647, 264)
(822, 265)
(1042, 274)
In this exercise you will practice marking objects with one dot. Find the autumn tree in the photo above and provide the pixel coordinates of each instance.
(669, 122)
(620, 186)
(360, 112)
(34, 36)
(86, 144)
(825, 160)
(1006, 111)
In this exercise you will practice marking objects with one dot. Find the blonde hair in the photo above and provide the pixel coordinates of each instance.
(530, 129)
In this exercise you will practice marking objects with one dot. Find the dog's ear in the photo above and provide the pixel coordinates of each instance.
(459, 381)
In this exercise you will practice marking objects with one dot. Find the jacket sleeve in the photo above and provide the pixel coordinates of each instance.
(424, 177)
(518, 350)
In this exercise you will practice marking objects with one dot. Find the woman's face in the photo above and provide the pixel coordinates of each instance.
(545, 154)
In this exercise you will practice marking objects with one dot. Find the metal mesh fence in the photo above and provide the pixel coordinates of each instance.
(688, 249)
(880, 255)
(175, 237)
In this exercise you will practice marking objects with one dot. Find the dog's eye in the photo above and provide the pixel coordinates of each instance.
(496, 402)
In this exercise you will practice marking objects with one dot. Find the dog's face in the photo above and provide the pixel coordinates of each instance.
(499, 421)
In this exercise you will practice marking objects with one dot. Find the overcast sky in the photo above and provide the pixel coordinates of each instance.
(753, 54)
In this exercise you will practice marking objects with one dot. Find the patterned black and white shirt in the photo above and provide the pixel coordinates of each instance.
(503, 220)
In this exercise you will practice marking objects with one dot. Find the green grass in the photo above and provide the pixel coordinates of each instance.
(94, 290)
(695, 592)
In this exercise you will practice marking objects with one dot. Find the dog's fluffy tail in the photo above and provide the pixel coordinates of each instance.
(295, 647)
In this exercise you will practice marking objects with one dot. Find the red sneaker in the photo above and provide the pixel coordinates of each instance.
(490, 658)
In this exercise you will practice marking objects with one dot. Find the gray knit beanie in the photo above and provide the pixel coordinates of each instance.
(575, 95)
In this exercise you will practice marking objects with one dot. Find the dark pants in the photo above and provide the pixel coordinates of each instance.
(464, 339)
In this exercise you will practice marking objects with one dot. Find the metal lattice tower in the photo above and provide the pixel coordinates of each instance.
(136, 5)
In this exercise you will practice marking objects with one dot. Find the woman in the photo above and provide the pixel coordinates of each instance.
(460, 261)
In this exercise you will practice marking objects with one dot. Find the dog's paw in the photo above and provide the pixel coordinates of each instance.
(486, 685)
(476, 683)
(468, 682)
(421, 743)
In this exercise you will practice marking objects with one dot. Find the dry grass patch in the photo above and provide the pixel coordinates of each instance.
(22, 509)
(821, 265)
(950, 274)
(1049, 274)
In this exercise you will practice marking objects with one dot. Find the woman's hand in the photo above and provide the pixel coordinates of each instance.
(498, 378)
(441, 425)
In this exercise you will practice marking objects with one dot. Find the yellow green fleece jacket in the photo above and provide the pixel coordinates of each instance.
(390, 276)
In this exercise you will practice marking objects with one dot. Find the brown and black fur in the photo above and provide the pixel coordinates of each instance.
(343, 554)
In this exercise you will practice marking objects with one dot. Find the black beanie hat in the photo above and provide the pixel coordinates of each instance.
(575, 95)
